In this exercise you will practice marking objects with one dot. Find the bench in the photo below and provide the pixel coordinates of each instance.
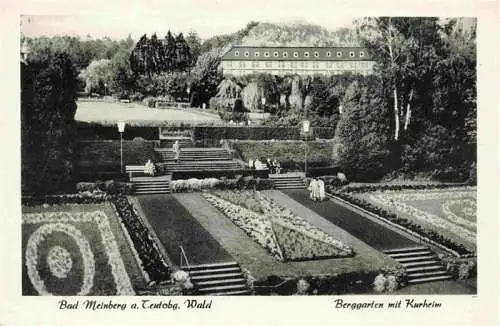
(130, 169)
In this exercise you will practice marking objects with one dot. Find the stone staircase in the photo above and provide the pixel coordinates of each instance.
(167, 142)
(284, 181)
(195, 154)
(203, 165)
(218, 279)
(151, 185)
(422, 265)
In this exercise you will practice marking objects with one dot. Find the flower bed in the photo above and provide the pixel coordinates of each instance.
(85, 197)
(72, 253)
(152, 261)
(287, 236)
(411, 217)
(194, 184)
(344, 283)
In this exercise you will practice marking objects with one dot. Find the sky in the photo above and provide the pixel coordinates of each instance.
(207, 18)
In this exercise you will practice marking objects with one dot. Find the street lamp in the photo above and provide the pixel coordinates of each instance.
(188, 90)
(263, 103)
(306, 127)
(121, 129)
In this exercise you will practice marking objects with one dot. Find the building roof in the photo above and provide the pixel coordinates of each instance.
(281, 53)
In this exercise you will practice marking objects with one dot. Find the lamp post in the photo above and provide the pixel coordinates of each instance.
(263, 103)
(188, 90)
(121, 129)
(306, 128)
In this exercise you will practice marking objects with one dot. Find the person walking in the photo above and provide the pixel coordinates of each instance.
(321, 190)
(176, 148)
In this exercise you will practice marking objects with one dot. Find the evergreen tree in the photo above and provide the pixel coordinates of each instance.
(48, 107)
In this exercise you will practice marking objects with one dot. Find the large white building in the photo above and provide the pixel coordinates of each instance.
(244, 60)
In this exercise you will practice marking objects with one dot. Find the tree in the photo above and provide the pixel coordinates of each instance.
(205, 77)
(48, 107)
(405, 53)
(97, 75)
(182, 55)
(194, 43)
(361, 139)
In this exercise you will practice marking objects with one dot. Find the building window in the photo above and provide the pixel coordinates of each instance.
(361, 54)
(339, 54)
(295, 54)
(275, 54)
(266, 54)
(351, 54)
(268, 64)
(256, 54)
(328, 54)
(229, 64)
(242, 64)
(306, 54)
(316, 54)
(285, 54)
(255, 64)
(315, 65)
(247, 54)
(236, 53)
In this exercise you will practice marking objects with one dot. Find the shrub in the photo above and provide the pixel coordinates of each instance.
(362, 135)
(149, 101)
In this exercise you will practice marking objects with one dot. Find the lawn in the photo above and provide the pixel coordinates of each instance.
(372, 233)
(174, 226)
(450, 212)
(103, 156)
(76, 250)
(252, 256)
(290, 153)
(133, 113)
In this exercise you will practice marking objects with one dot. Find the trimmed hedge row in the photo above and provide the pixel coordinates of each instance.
(80, 199)
(319, 172)
(250, 133)
(242, 183)
(399, 187)
(431, 234)
(97, 131)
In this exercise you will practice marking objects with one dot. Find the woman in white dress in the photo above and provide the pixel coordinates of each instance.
(321, 186)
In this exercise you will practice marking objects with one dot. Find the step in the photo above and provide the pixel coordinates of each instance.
(152, 192)
(222, 288)
(407, 249)
(237, 292)
(432, 273)
(226, 281)
(207, 277)
(151, 186)
(420, 263)
(424, 268)
(214, 271)
(418, 258)
(409, 254)
(211, 265)
(429, 279)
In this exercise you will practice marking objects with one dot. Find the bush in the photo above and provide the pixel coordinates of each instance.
(150, 102)
(231, 174)
(246, 133)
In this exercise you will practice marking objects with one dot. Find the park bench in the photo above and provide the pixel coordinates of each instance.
(131, 169)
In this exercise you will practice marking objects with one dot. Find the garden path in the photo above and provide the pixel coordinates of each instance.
(371, 232)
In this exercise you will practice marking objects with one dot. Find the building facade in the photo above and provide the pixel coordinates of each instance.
(242, 60)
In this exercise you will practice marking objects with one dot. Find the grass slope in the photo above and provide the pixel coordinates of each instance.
(175, 226)
(372, 233)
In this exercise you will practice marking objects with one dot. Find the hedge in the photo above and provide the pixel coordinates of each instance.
(231, 174)
(100, 160)
(96, 131)
(245, 132)
(319, 172)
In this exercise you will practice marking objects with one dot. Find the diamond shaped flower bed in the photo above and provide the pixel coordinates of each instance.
(286, 236)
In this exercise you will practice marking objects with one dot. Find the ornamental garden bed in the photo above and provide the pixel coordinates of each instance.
(76, 249)
(446, 215)
(286, 236)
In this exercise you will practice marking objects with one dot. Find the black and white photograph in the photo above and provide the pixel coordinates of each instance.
(174, 159)
(280, 159)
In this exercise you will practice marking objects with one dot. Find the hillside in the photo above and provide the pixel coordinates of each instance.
(296, 33)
